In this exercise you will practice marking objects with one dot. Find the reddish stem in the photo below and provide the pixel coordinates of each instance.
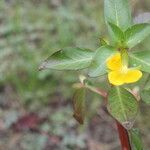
(124, 137)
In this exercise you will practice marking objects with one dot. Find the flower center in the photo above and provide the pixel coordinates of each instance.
(124, 69)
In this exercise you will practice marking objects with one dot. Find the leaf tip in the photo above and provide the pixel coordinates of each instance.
(78, 118)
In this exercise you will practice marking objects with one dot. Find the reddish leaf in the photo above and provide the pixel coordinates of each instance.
(79, 105)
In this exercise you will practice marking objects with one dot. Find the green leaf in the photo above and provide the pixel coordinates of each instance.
(145, 95)
(145, 89)
(103, 42)
(118, 13)
(146, 82)
(140, 58)
(79, 105)
(118, 34)
(136, 139)
(136, 34)
(68, 59)
(123, 106)
(98, 65)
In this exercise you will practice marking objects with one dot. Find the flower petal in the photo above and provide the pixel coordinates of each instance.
(132, 75)
(116, 77)
(114, 62)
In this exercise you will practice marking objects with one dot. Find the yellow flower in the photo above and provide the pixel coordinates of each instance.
(121, 74)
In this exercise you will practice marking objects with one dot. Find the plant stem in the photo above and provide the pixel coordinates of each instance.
(124, 137)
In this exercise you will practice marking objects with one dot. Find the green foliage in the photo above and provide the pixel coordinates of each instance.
(118, 13)
(140, 58)
(145, 95)
(118, 34)
(137, 33)
(98, 65)
(145, 91)
(68, 59)
(123, 106)
(103, 42)
(136, 139)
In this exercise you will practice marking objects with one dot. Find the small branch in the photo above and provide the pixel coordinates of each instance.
(98, 91)
(92, 88)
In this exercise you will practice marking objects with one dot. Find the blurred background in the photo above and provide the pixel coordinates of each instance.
(36, 107)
